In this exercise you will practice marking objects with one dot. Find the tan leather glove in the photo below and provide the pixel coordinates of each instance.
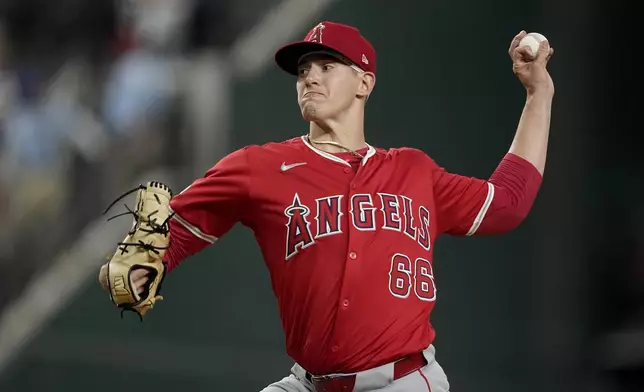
(143, 248)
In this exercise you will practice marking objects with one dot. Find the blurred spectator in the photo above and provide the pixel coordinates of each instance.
(33, 163)
(90, 96)
(140, 86)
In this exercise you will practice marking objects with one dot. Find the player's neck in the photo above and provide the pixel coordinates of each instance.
(349, 135)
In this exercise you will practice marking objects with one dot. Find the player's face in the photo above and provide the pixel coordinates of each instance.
(326, 87)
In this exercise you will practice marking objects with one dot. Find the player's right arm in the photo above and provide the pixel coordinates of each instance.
(209, 207)
(474, 206)
(469, 206)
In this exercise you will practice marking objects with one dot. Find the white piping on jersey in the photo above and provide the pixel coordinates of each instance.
(194, 229)
(481, 215)
(370, 152)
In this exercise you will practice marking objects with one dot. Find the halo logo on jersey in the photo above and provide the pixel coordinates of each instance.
(298, 232)
(366, 213)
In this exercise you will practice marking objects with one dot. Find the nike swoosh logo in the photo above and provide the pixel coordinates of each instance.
(286, 167)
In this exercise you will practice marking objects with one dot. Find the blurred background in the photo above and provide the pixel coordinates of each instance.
(98, 96)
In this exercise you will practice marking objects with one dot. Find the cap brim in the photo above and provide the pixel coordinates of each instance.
(288, 57)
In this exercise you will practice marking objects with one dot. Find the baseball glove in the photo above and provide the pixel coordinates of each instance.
(143, 248)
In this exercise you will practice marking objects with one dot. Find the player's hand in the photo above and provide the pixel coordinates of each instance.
(139, 279)
(530, 70)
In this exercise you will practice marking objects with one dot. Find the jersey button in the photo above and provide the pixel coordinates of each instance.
(353, 255)
(347, 170)
(345, 303)
(353, 186)
(334, 348)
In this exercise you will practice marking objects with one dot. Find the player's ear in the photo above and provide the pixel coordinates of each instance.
(367, 83)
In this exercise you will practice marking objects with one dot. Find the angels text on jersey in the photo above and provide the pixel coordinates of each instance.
(305, 224)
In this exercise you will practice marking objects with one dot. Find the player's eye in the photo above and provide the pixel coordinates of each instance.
(327, 67)
(303, 71)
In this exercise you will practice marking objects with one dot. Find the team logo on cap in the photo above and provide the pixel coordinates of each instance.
(316, 34)
(364, 59)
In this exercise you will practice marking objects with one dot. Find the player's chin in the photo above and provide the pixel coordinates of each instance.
(311, 111)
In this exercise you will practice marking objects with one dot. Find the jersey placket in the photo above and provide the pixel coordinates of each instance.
(352, 264)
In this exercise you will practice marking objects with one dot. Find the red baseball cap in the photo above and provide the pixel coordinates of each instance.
(333, 38)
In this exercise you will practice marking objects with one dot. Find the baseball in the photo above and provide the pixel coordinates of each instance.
(532, 40)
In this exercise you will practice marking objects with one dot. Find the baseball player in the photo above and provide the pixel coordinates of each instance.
(347, 230)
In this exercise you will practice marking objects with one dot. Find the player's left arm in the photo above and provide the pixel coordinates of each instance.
(469, 206)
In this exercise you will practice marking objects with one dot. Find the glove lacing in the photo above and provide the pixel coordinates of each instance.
(162, 228)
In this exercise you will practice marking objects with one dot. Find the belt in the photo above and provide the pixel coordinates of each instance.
(346, 383)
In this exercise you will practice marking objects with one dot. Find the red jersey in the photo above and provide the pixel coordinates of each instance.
(349, 247)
